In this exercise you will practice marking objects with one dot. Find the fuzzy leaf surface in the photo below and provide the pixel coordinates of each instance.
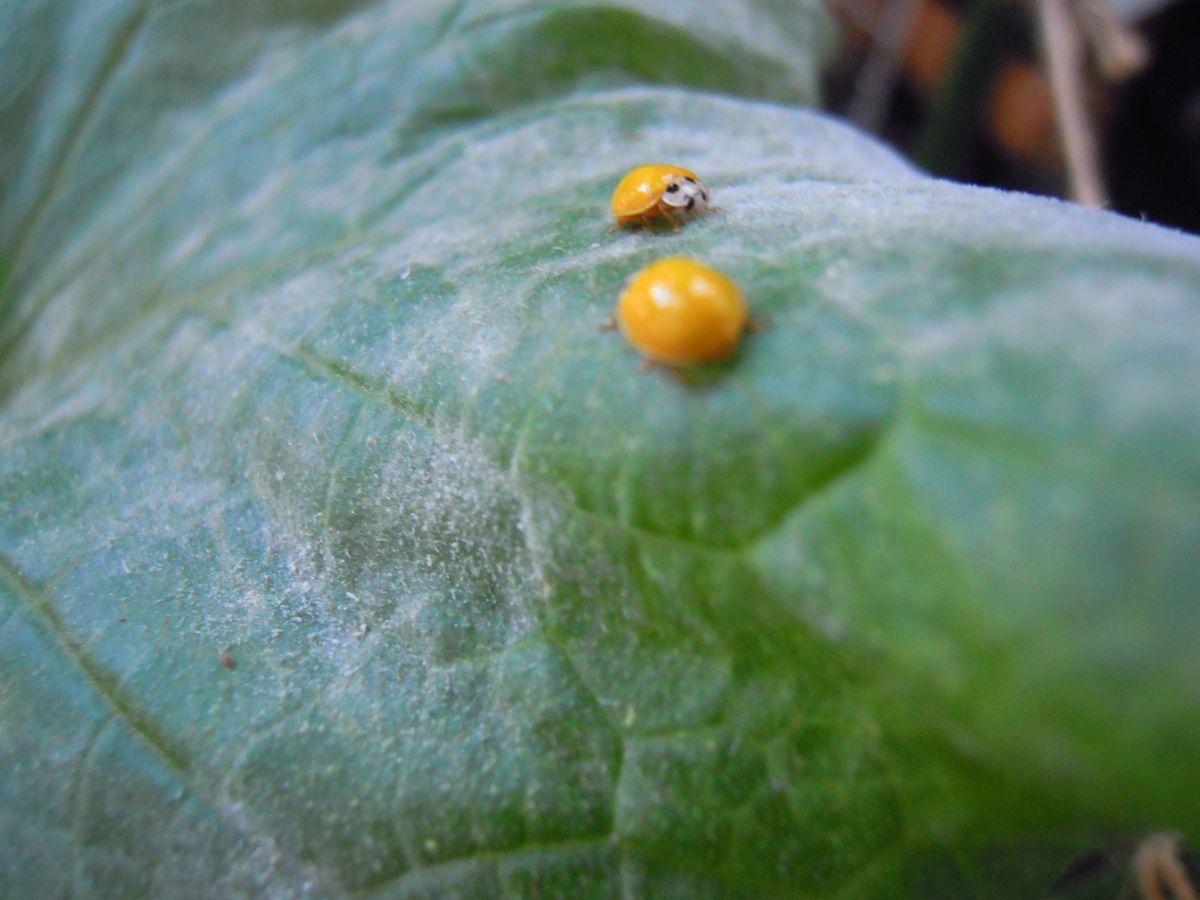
(341, 554)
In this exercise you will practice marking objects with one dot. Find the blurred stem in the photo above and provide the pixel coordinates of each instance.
(953, 119)
(1120, 51)
(1062, 48)
(889, 38)
(1158, 864)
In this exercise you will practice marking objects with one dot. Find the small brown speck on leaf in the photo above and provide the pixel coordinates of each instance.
(228, 661)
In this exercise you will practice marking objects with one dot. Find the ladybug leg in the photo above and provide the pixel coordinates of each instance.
(661, 209)
(609, 324)
(758, 324)
(647, 365)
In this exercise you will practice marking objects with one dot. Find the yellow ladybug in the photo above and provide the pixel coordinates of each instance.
(651, 191)
(679, 311)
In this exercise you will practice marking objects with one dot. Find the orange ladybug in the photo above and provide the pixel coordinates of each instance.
(649, 192)
(679, 311)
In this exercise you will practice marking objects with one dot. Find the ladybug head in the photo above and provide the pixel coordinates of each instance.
(682, 192)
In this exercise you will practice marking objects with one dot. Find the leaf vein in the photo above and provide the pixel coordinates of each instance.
(78, 799)
(118, 50)
(853, 461)
(100, 681)
(567, 845)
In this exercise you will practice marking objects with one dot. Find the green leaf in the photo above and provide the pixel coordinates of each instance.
(342, 554)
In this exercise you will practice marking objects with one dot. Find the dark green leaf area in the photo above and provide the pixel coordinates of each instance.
(136, 127)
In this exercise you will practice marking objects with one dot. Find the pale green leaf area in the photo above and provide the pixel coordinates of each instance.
(299, 318)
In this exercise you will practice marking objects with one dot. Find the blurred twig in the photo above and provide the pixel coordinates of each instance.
(1063, 50)
(1157, 864)
(877, 79)
(1119, 50)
